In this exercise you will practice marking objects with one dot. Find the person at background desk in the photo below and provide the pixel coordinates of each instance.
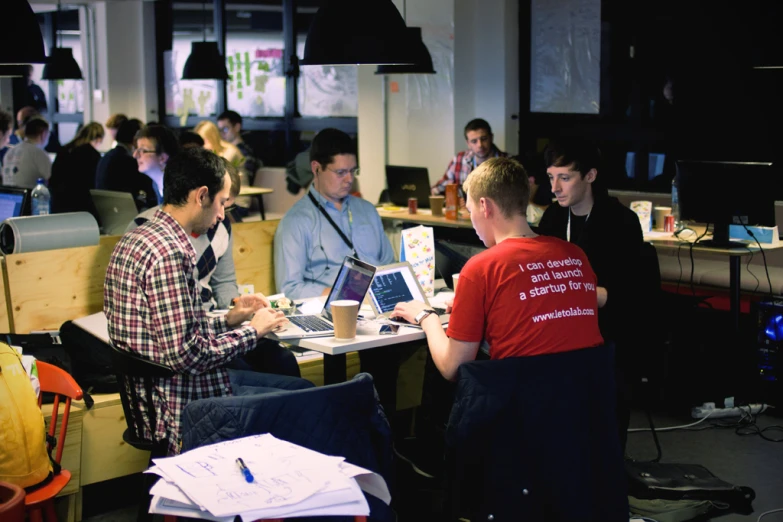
(152, 300)
(321, 229)
(28, 161)
(478, 136)
(217, 278)
(611, 236)
(154, 146)
(500, 307)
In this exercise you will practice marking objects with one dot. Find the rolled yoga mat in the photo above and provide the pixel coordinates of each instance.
(35, 233)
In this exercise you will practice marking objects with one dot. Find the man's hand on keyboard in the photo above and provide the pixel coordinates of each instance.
(267, 320)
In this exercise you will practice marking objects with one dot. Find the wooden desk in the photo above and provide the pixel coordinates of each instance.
(257, 192)
(72, 455)
(425, 217)
(667, 241)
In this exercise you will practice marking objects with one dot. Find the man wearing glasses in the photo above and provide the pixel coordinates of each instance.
(230, 125)
(155, 144)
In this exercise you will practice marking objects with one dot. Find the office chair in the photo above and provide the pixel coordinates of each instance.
(11, 502)
(535, 438)
(129, 369)
(39, 503)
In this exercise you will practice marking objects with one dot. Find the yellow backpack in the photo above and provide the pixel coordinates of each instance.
(24, 460)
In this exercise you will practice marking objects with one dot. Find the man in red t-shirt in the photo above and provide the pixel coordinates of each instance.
(525, 295)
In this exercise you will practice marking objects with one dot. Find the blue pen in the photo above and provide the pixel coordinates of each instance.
(245, 471)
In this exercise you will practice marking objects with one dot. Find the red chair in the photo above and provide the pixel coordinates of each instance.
(11, 503)
(40, 502)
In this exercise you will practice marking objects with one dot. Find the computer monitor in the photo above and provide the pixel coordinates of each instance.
(724, 193)
(14, 202)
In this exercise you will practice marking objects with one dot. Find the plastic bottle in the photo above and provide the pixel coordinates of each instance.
(40, 199)
(676, 205)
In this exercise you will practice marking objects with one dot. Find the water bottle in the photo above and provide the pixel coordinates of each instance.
(676, 205)
(41, 199)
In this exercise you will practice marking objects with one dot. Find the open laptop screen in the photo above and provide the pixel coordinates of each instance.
(11, 202)
(352, 282)
(394, 284)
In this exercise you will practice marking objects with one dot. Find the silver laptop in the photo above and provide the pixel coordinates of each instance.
(352, 282)
(397, 283)
(116, 210)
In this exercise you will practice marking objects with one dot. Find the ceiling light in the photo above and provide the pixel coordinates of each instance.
(422, 60)
(356, 32)
(21, 41)
(205, 61)
(61, 65)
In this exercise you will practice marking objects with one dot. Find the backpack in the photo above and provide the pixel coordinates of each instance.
(24, 459)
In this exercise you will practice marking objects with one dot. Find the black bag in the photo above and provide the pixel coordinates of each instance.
(91, 358)
(44, 347)
(653, 480)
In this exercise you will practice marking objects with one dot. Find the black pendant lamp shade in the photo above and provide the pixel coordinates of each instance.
(356, 32)
(423, 60)
(61, 65)
(205, 63)
(21, 41)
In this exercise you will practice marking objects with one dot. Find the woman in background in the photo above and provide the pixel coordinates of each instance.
(212, 141)
(73, 172)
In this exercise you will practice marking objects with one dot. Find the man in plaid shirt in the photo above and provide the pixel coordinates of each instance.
(153, 304)
(478, 135)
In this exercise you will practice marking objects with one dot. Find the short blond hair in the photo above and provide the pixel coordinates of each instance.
(504, 181)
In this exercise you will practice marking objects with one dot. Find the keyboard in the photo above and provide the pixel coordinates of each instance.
(311, 323)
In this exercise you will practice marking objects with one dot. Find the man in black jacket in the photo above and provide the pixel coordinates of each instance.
(611, 236)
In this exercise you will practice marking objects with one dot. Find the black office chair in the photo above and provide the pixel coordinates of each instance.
(535, 438)
(130, 368)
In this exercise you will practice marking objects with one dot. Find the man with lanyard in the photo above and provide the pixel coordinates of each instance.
(611, 236)
(478, 136)
(321, 229)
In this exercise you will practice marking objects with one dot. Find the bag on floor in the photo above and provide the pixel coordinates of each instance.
(24, 459)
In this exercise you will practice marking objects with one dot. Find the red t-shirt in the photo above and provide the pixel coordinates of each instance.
(527, 296)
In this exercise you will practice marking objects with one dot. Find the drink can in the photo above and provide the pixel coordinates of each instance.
(413, 205)
(668, 223)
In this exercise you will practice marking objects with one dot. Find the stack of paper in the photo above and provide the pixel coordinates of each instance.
(284, 480)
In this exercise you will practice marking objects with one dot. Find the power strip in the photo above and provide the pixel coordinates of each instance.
(699, 412)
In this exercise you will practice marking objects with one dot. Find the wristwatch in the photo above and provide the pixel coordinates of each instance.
(421, 315)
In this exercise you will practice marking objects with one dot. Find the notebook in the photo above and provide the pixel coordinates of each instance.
(397, 283)
(116, 210)
(408, 182)
(352, 282)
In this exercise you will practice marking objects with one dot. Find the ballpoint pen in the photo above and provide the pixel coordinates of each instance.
(244, 470)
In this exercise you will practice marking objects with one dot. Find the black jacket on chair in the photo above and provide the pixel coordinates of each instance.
(535, 438)
(341, 419)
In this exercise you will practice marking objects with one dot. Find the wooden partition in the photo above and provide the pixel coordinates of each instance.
(254, 254)
(5, 326)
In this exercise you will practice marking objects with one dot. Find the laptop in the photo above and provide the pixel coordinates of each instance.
(14, 202)
(397, 283)
(116, 210)
(408, 182)
(352, 282)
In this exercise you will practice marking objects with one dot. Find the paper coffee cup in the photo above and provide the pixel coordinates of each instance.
(436, 205)
(660, 216)
(455, 279)
(344, 315)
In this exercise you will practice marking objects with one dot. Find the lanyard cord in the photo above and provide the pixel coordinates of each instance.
(568, 229)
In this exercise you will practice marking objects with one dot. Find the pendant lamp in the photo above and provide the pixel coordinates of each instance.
(21, 41)
(61, 64)
(205, 61)
(422, 60)
(356, 32)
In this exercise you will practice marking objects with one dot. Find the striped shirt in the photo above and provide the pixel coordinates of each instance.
(461, 165)
(153, 306)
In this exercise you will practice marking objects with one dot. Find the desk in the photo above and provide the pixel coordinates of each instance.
(257, 192)
(660, 240)
(334, 351)
(425, 217)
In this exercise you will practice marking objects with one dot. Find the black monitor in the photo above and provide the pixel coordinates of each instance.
(724, 193)
(14, 202)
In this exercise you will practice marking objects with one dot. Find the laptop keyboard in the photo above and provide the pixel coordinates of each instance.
(310, 323)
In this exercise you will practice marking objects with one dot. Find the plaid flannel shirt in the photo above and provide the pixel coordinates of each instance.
(153, 306)
(461, 165)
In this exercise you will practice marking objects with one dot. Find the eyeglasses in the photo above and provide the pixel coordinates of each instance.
(344, 172)
(144, 151)
(224, 130)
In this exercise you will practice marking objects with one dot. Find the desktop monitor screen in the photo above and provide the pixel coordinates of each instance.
(13, 202)
(724, 193)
